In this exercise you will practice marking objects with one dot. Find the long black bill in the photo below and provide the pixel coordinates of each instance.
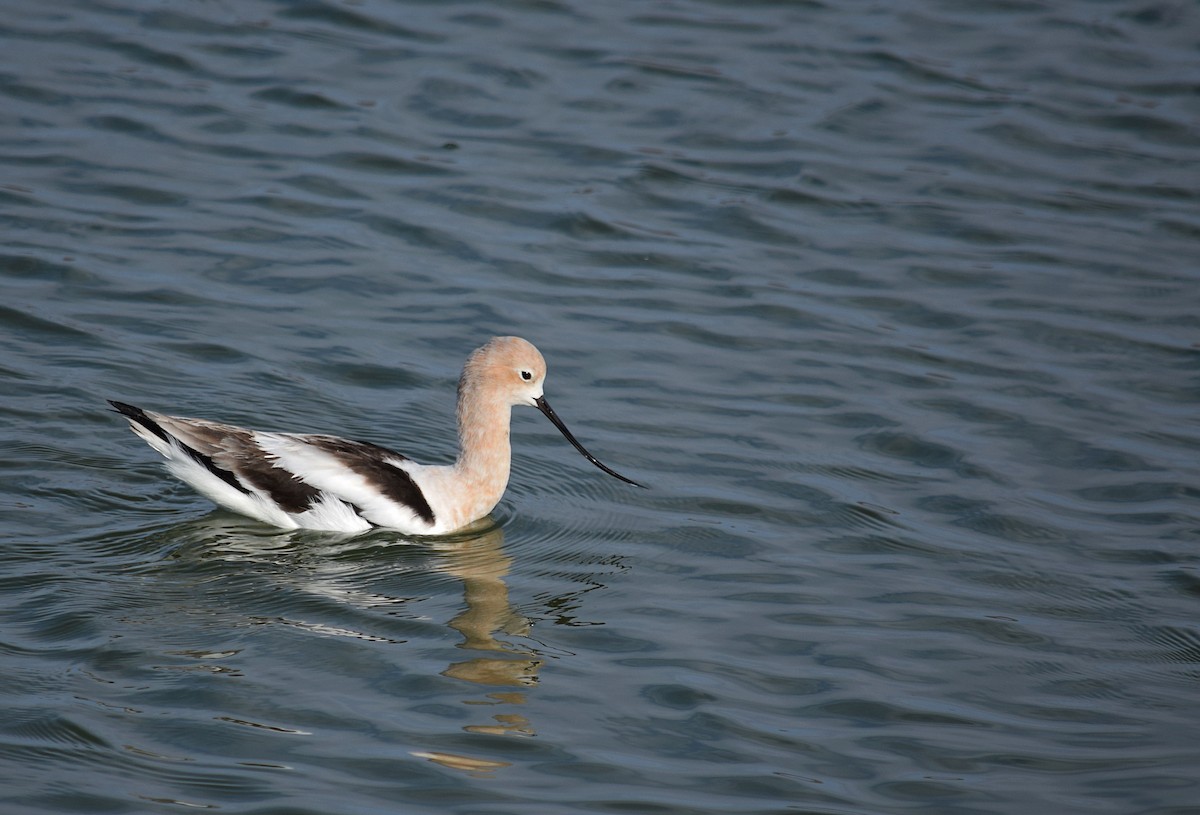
(545, 408)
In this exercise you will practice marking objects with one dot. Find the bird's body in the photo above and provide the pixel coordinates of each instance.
(293, 480)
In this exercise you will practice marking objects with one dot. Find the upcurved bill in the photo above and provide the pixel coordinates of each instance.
(545, 408)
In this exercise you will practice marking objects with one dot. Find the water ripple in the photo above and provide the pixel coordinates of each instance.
(890, 310)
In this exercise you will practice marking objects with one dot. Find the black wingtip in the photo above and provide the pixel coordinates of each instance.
(125, 409)
(135, 414)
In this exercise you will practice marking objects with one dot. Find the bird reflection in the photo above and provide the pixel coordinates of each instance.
(344, 569)
(480, 563)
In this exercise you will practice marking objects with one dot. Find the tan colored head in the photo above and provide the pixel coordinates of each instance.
(509, 368)
(512, 371)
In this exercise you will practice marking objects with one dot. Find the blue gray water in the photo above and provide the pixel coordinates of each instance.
(895, 307)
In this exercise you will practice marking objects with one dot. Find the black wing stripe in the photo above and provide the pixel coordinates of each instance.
(234, 449)
(366, 459)
(401, 487)
(284, 488)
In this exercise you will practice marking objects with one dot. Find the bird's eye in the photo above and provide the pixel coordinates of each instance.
(526, 375)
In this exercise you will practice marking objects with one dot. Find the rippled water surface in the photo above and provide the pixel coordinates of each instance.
(894, 306)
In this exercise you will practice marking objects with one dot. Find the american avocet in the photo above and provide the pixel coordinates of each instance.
(294, 481)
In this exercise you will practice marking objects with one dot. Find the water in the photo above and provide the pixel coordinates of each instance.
(894, 307)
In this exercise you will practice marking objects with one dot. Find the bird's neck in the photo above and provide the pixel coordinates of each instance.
(484, 452)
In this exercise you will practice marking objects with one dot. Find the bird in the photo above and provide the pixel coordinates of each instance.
(313, 481)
